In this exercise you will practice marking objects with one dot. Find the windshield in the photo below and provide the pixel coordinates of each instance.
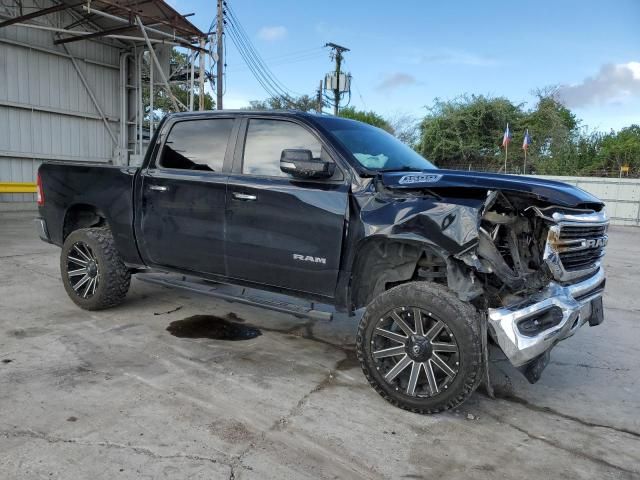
(374, 148)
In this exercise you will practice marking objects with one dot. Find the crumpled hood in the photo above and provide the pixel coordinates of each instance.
(558, 193)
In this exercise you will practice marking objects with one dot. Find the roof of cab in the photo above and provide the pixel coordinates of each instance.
(293, 113)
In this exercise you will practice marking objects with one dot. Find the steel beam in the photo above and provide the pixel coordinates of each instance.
(91, 95)
(38, 13)
(182, 41)
(167, 87)
(57, 111)
(55, 52)
(131, 11)
(103, 33)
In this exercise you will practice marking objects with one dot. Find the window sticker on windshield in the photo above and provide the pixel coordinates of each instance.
(372, 161)
(408, 179)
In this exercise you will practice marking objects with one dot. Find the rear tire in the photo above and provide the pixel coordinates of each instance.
(93, 273)
(424, 367)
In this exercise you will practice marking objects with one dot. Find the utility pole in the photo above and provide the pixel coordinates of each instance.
(319, 99)
(220, 52)
(201, 75)
(337, 52)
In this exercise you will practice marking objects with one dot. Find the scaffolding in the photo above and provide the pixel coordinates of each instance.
(144, 32)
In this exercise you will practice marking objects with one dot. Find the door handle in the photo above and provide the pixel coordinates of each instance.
(158, 188)
(244, 197)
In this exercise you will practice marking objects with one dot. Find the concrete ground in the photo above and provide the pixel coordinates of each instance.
(113, 394)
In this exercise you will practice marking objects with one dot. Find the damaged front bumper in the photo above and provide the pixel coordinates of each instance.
(526, 332)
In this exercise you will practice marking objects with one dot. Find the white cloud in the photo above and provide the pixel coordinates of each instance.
(453, 57)
(396, 80)
(271, 34)
(612, 84)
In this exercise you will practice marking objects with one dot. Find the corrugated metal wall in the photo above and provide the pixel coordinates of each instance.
(45, 110)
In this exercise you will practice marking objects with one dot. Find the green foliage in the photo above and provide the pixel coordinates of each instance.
(304, 103)
(370, 117)
(406, 128)
(622, 148)
(466, 132)
(162, 103)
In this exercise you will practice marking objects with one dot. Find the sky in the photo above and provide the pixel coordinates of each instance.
(404, 54)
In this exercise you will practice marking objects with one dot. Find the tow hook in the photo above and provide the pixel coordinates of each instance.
(533, 369)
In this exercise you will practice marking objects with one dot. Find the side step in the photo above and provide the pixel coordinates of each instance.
(248, 296)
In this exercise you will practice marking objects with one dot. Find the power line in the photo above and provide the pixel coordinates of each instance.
(258, 63)
(357, 90)
(266, 83)
(252, 58)
(300, 59)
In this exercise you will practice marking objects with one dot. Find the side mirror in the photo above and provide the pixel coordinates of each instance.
(301, 164)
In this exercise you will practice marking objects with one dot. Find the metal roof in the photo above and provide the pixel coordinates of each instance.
(118, 18)
(149, 11)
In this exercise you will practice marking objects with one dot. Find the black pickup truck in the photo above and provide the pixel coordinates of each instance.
(335, 211)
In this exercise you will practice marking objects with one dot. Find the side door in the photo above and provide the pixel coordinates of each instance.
(282, 231)
(181, 214)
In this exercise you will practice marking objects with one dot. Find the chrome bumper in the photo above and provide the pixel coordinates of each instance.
(43, 233)
(575, 303)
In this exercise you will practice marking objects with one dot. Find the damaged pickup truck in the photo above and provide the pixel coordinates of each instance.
(335, 211)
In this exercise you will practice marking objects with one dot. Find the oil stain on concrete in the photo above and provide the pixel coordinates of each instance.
(210, 326)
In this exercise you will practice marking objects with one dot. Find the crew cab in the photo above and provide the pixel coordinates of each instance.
(333, 210)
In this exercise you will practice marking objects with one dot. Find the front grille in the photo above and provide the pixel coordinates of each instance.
(578, 232)
(581, 246)
(576, 242)
(581, 259)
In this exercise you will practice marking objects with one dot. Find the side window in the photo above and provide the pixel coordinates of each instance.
(197, 145)
(265, 141)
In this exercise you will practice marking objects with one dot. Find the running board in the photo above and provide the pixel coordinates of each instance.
(247, 296)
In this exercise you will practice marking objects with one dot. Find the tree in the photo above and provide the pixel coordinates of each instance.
(369, 117)
(555, 134)
(406, 128)
(468, 131)
(621, 149)
(179, 84)
(304, 103)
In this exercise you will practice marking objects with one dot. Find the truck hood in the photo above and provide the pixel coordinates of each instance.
(558, 193)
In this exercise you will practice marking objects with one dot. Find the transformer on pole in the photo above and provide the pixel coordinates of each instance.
(337, 81)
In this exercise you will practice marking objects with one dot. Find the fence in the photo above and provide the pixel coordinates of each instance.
(516, 167)
(621, 195)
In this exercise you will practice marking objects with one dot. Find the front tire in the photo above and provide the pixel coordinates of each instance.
(93, 274)
(420, 347)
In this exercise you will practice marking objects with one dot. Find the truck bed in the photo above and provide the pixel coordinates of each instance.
(107, 187)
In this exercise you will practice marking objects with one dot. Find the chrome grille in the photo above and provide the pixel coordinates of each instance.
(575, 244)
(581, 259)
(577, 232)
(584, 243)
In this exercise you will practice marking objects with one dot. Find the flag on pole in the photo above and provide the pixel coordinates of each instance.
(527, 140)
(506, 137)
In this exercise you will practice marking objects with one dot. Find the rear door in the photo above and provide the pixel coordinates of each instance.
(282, 231)
(182, 206)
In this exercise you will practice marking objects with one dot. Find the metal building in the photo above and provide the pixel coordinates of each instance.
(71, 81)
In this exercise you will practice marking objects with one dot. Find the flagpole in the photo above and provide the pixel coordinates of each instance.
(524, 169)
(506, 154)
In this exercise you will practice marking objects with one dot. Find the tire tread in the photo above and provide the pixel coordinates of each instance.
(464, 311)
(116, 277)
